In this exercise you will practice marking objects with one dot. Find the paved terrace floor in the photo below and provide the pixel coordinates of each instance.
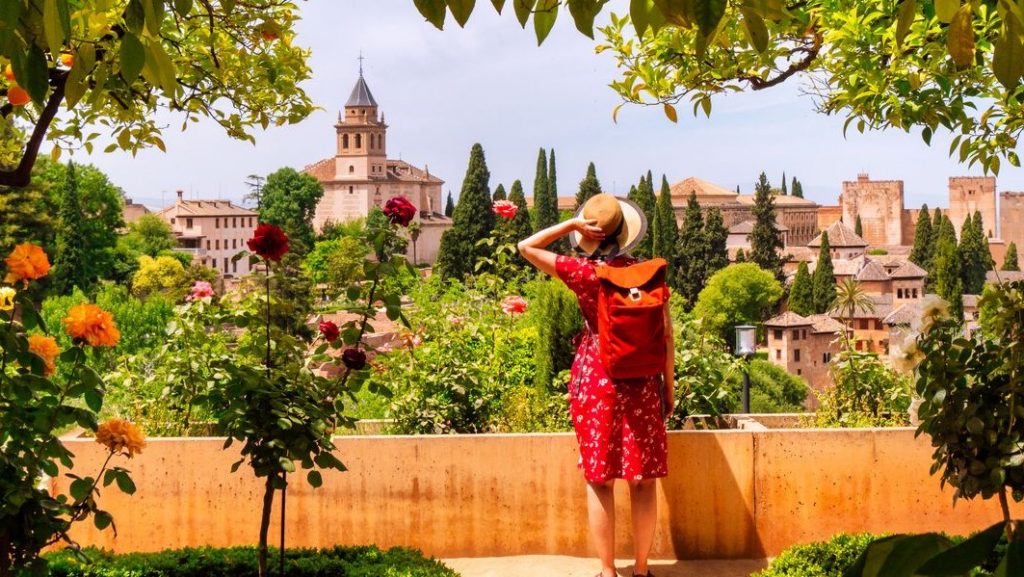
(557, 566)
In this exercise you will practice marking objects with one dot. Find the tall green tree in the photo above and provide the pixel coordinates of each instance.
(783, 187)
(921, 254)
(472, 221)
(552, 178)
(545, 205)
(948, 282)
(691, 248)
(521, 223)
(858, 227)
(798, 188)
(824, 278)
(499, 193)
(738, 294)
(974, 255)
(1010, 258)
(765, 242)
(643, 196)
(801, 294)
(28, 214)
(449, 206)
(289, 200)
(589, 186)
(68, 271)
(716, 238)
(666, 232)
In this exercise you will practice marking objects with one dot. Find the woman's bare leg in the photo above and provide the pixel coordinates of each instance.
(601, 516)
(643, 500)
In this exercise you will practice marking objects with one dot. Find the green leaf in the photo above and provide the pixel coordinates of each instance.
(79, 489)
(433, 10)
(946, 9)
(709, 13)
(102, 520)
(34, 74)
(125, 483)
(77, 83)
(967, 555)
(183, 7)
(961, 36)
(911, 552)
(314, 478)
(523, 10)
(498, 5)
(133, 57)
(1014, 559)
(286, 464)
(461, 9)
(908, 10)
(154, 11)
(165, 69)
(583, 13)
(544, 16)
(135, 16)
(94, 400)
(54, 25)
(1008, 56)
(756, 29)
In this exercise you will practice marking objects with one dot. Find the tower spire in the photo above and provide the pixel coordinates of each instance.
(361, 63)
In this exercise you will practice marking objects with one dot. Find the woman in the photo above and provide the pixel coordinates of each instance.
(620, 424)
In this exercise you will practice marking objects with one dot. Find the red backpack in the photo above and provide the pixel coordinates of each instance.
(631, 318)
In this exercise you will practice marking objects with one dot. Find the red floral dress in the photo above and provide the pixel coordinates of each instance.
(619, 423)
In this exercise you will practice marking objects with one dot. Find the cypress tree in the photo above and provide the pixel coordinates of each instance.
(948, 283)
(784, 191)
(545, 207)
(737, 189)
(67, 263)
(553, 180)
(921, 254)
(764, 239)
(858, 227)
(691, 248)
(1010, 259)
(824, 278)
(643, 196)
(716, 237)
(449, 207)
(740, 256)
(666, 232)
(589, 186)
(520, 225)
(472, 221)
(983, 251)
(499, 193)
(801, 294)
(797, 189)
(973, 254)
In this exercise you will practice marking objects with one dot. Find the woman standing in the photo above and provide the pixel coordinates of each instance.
(619, 423)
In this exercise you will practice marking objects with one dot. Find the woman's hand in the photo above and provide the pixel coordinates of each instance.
(588, 228)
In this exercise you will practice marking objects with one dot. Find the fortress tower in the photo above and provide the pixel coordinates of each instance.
(879, 203)
(968, 194)
(1011, 218)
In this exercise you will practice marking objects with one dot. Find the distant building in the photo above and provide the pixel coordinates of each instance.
(843, 242)
(360, 176)
(212, 231)
(739, 235)
(804, 346)
(132, 211)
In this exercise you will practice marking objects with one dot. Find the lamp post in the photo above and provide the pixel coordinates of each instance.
(746, 346)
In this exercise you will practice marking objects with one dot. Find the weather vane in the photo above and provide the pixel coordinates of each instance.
(361, 63)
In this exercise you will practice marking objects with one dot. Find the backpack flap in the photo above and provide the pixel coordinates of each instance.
(635, 275)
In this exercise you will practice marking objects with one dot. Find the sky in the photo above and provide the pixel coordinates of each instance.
(442, 91)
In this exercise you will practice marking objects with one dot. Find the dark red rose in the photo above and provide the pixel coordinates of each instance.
(400, 211)
(354, 359)
(329, 331)
(269, 241)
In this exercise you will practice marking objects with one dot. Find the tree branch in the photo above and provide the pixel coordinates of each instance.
(22, 175)
(810, 54)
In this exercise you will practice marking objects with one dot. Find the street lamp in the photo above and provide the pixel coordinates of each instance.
(746, 346)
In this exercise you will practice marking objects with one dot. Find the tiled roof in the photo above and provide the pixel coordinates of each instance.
(882, 308)
(826, 324)
(403, 171)
(747, 227)
(903, 315)
(908, 270)
(840, 236)
(132, 212)
(872, 271)
(779, 200)
(206, 208)
(995, 277)
(847, 267)
(361, 94)
(702, 188)
(801, 254)
(788, 319)
(564, 202)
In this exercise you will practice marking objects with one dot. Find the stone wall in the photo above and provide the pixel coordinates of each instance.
(879, 203)
(1011, 219)
(730, 494)
(968, 194)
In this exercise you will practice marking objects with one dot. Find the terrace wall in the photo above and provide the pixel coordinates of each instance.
(731, 494)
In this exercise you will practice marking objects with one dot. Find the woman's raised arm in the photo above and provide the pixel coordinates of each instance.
(534, 248)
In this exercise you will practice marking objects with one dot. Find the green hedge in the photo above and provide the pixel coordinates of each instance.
(241, 562)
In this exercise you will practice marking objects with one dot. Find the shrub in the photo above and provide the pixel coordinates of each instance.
(866, 393)
(241, 562)
(822, 559)
(557, 317)
(772, 389)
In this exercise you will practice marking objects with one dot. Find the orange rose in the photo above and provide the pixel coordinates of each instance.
(26, 262)
(120, 435)
(90, 323)
(45, 348)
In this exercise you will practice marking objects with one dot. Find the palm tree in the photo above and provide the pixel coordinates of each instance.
(850, 298)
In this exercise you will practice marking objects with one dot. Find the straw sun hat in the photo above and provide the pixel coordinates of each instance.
(622, 221)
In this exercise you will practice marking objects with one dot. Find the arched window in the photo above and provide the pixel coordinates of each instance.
(351, 169)
(359, 141)
(344, 141)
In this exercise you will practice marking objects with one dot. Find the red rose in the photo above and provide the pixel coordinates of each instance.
(329, 331)
(354, 359)
(269, 241)
(513, 305)
(400, 211)
(505, 209)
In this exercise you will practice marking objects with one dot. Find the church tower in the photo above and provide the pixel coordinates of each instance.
(362, 137)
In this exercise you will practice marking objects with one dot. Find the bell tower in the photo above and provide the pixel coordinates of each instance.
(362, 136)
